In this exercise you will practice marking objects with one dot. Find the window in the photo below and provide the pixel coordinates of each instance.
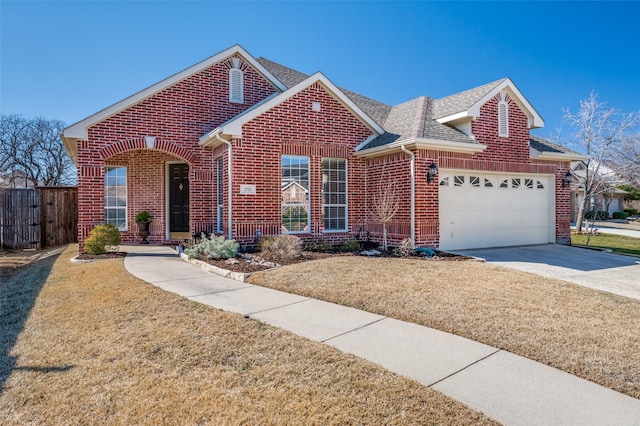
(444, 181)
(334, 194)
(488, 183)
(295, 194)
(528, 183)
(504, 183)
(474, 181)
(503, 119)
(115, 197)
(539, 184)
(515, 183)
(236, 86)
(458, 180)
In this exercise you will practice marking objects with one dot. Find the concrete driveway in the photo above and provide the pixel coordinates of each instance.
(590, 268)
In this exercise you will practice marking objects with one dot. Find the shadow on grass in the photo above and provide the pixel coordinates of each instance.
(19, 289)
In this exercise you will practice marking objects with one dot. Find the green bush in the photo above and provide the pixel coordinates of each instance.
(143, 216)
(631, 212)
(281, 248)
(349, 246)
(214, 247)
(599, 215)
(320, 246)
(101, 239)
(620, 215)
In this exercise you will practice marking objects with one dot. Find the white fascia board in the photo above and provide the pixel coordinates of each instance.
(559, 156)
(450, 146)
(454, 117)
(79, 129)
(535, 120)
(421, 143)
(234, 126)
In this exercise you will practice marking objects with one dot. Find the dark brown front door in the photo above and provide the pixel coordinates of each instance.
(178, 198)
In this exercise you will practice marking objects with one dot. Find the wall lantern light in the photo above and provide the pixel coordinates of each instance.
(432, 171)
(566, 180)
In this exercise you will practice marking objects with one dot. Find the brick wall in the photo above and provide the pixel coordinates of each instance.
(177, 117)
(293, 128)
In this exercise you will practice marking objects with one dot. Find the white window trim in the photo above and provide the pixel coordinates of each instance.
(346, 198)
(308, 230)
(126, 206)
(236, 97)
(503, 119)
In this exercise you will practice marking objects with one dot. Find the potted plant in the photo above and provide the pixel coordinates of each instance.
(143, 219)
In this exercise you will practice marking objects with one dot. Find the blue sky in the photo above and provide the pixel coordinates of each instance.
(68, 60)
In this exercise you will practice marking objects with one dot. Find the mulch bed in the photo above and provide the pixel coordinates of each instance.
(241, 264)
(108, 255)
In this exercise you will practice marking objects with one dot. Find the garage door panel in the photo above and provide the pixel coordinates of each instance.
(490, 216)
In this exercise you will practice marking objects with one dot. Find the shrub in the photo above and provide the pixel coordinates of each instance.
(620, 215)
(214, 247)
(349, 246)
(101, 239)
(281, 248)
(631, 212)
(143, 216)
(321, 246)
(599, 215)
(405, 249)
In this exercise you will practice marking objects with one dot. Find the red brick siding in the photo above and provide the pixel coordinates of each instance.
(177, 116)
(293, 128)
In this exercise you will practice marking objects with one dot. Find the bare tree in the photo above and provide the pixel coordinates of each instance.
(599, 132)
(626, 159)
(31, 149)
(385, 206)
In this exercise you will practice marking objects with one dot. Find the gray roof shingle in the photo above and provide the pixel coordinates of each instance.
(544, 145)
(462, 101)
(410, 120)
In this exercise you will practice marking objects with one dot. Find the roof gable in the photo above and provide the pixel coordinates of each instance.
(467, 104)
(79, 129)
(233, 127)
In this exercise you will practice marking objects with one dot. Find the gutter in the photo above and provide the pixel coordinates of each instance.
(229, 182)
(413, 194)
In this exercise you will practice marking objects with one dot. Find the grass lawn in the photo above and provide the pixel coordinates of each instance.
(90, 344)
(617, 243)
(584, 332)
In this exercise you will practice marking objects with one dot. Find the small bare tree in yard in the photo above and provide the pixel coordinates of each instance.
(599, 131)
(385, 205)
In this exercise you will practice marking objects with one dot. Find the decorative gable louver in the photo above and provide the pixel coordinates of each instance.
(503, 119)
(236, 86)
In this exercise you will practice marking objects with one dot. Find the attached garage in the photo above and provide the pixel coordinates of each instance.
(495, 210)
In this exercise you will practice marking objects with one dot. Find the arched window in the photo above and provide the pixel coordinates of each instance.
(503, 119)
(236, 86)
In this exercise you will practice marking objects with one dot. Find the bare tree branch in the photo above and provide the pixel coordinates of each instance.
(600, 131)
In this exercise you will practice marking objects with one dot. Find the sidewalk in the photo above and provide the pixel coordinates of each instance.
(511, 389)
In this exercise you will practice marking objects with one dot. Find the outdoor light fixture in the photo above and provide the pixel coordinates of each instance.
(566, 180)
(432, 171)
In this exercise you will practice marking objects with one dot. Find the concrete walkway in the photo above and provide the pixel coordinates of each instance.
(508, 388)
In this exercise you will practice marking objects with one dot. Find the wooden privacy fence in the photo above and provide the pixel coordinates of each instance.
(38, 218)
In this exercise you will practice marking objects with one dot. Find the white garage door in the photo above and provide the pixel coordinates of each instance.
(495, 210)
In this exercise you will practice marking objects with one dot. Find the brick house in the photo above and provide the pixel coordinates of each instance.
(243, 146)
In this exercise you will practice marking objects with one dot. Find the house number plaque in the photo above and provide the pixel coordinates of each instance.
(247, 189)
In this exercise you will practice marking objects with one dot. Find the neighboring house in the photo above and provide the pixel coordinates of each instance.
(607, 198)
(16, 179)
(221, 146)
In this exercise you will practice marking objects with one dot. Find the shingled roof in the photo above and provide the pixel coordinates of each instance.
(414, 119)
(543, 145)
(462, 101)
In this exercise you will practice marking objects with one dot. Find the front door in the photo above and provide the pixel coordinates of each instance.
(178, 198)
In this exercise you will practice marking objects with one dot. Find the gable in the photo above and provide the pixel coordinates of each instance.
(234, 127)
(79, 130)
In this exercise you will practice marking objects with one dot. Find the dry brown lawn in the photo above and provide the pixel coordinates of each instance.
(590, 334)
(90, 344)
